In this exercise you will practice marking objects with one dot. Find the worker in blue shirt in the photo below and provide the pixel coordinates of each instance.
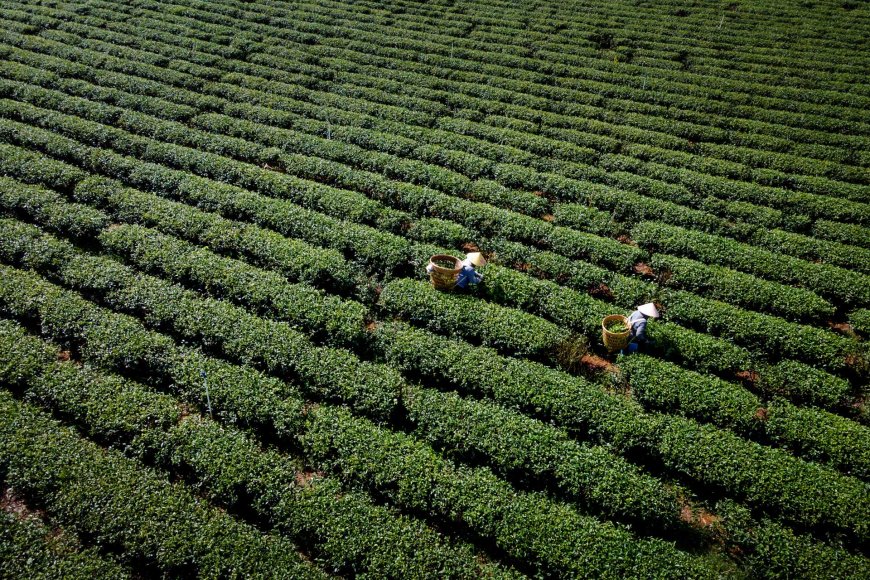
(637, 326)
(468, 274)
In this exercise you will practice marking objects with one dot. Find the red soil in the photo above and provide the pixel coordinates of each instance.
(644, 270)
(544, 195)
(12, 504)
(597, 364)
(842, 327)
(697, 517)
(601, 290)
(304, 478)
(748, 376)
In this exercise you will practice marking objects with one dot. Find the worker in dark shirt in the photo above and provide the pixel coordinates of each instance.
(637, 325)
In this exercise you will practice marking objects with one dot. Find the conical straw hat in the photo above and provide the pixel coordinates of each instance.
(477, 259)
(649, 309)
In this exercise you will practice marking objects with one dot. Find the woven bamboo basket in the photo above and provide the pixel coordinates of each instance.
(615, 340)
(441, 277)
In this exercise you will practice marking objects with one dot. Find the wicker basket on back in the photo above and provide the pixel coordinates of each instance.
(615, 340)
(441, 277)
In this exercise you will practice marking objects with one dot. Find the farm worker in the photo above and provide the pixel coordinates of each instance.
(468, 275)
(637, 325)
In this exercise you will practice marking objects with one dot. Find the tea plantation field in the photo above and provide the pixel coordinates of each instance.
(220, 354)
